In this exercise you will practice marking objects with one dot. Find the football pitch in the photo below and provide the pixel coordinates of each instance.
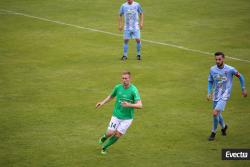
(58, 58)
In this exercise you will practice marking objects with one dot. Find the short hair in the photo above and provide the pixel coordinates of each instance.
(126, 73)
(219, 54)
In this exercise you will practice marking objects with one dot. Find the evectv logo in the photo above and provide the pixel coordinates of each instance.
(230, 154)
(235, 154)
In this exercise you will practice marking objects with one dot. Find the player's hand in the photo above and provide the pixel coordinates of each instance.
(244, 93)
(141, 26)
(98, 105)
(120, 28)
(209, 97)
(125, 104)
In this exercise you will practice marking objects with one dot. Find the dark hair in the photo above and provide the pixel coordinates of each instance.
(219, 54)
(126, 73)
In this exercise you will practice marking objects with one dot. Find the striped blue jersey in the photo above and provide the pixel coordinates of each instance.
(131, 15)
(222, 80)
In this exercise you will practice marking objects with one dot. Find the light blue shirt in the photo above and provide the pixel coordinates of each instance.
(222, 80)
(131, 15)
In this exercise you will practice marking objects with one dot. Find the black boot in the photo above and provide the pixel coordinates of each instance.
(212, 136)
(138, 57)
(124, 58)
(224, 131)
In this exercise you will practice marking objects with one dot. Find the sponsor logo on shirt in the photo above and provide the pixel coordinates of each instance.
(220, 78)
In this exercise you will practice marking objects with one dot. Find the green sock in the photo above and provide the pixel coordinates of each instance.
(104, 138)
(111, 141)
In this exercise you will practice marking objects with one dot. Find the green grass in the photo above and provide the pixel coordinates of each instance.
(51, 77)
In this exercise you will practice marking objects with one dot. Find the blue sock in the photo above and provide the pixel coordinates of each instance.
(125, 49)
(215, 123)
(221, 121)
(138, 47)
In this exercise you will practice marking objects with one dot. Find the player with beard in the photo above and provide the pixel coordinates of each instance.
(220, 81)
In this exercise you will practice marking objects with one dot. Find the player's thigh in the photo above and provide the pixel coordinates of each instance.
(113, 124)
(220, 105)
(124, 125)
(136, 35)
(214, 104)
(127, 35)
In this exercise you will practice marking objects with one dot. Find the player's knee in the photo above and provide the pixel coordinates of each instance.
(215, 113)
(118, 134)
(126, 41)
(110, 133)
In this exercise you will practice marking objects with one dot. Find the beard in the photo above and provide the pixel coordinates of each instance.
(220, 65)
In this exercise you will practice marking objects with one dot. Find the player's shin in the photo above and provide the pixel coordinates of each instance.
(138, 47)
(215, 123)
(125, 49)
(110, 141)
(103, 139)
(221, 121)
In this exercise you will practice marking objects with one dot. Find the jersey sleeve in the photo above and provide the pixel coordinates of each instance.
(240, 76)
(235, 72)
(121, 12)
(114, 91)
(210, 83)
(136, 95)
(210, 77)
(139, 9)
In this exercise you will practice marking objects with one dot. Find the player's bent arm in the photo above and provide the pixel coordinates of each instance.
(242, 80)
(137, 105)
(106, 100)
(242, 84)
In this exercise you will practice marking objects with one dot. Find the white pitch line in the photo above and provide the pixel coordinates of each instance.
(115, 34)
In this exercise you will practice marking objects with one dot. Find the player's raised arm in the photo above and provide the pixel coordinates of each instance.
(106, 100)
(242, 83)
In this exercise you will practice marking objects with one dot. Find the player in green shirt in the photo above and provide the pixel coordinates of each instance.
(127, 99)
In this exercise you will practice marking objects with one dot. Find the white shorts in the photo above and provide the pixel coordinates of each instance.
(121, 125)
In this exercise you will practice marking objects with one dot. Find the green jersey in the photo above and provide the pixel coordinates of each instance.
(130, 95)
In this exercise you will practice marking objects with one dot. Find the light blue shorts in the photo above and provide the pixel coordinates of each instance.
(219, 105)
(132, 34)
